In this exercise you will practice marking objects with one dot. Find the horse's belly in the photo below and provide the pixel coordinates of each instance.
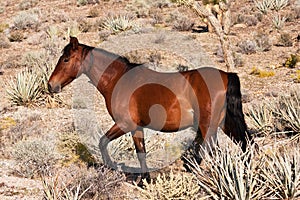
(173, 122)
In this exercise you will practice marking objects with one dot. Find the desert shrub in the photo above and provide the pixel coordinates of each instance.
(82, 2)
(280, 172)
(180, 22)
(247, 47)
(292, 61)
(262, 73)
(93, 12)
(262, 42)
(26, 20)
(228, 174)
(249, 20)
(172, 186)
(34, 156)
(16, 36)
(285, 40)
(84, 25)
(70, 146)
(119, 23)
(238, 60)
(27, 4)
(297, 77)
(4, 43)
(183, 23)
(3, 26)
(77, 182)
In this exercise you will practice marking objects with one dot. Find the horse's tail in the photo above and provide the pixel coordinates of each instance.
(235, 125)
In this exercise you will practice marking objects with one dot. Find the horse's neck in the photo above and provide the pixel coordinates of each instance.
(104, 70)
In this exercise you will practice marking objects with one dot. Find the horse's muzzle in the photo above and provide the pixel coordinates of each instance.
(54, 89)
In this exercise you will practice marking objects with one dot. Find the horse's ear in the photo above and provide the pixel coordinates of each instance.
(74, 42)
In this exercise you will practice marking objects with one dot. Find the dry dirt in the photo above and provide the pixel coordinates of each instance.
(190, 48)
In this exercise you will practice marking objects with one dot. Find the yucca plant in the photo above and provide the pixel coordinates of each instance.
(227, 174)
(53, 190)
(289, 110)
(119, 23)
(281, 174)
(260, 117)
(263, 6)
(25, 88)
(279, 4)
(278, 21)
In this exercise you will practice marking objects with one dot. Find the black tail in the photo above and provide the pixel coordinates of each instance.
(235, 125)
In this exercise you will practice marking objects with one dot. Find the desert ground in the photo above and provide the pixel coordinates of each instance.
(49, 143)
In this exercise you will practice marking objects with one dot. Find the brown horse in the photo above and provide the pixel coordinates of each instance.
(137, 97)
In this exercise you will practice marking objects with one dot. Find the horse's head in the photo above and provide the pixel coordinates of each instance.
(67, 68)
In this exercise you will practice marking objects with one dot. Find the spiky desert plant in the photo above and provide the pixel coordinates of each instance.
(172, 186)
(289, 110)
(52, 191)
(281, 173)
(260, 117)
(263, 6)
(278, 21)
(279, 4)
(25, 88)
(227, 174)
(119, 23)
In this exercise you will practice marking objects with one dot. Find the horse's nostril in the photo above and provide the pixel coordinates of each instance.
(54, 89)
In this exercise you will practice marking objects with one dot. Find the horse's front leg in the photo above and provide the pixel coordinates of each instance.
(139, 143)
(113, 133)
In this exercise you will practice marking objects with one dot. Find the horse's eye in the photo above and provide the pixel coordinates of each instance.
(66, 60)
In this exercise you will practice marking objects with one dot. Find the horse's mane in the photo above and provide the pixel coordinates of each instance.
(87, 48)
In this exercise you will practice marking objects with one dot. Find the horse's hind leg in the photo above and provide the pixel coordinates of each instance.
(197, 144)
(139, 143)
(113, 133)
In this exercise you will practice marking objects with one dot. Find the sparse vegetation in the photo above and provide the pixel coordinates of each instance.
(172, 186)
(43, 145)
(292, 61)
(247, 47)
(26, 20)
(262, 42)
(34, 157)
(285, 40)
